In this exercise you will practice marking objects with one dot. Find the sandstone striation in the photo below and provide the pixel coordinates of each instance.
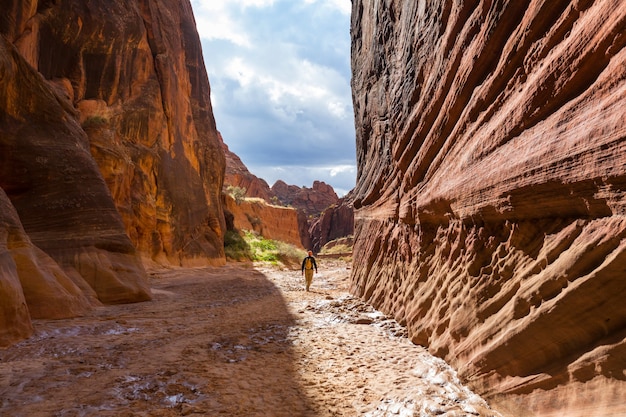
(109, 154)
(62, 202)
(15, 318)
(490, 199)
(132, 74)
(335, 222)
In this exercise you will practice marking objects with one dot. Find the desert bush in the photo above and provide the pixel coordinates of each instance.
(95, 121)
(236, 247)
(237, 193)
(272, 251)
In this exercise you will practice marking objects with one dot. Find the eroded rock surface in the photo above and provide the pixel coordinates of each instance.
(271, 222)
(312, 201)
(108, 151)
(133, 75)
(335, 222)
(491, 209)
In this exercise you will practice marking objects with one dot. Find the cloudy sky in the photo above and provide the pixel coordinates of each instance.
(280, 86)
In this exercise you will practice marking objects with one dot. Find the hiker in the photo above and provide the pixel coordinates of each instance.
(308, 264)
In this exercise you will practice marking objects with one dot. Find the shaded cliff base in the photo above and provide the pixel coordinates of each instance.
(530, 311)
(231, 341)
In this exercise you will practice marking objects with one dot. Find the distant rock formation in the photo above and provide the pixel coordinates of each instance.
(490, 200)
(308, 205)
(334, 222)
(108, 153)
(312, 201)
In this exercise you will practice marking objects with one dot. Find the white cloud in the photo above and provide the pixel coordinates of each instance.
(343, 6)
(342, 169)
(280, 86)
(217, 19)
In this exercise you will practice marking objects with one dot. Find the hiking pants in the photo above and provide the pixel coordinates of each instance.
(308, 277)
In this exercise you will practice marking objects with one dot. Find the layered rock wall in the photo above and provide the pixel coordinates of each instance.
(335, 222)
(312, 201)
(60, 233)
(490, 199)
(134, 77)
(271, 222)
(108, 154)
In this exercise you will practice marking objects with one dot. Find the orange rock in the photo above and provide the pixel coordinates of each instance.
(490, 209)
(271, 222)
(15, 321)
(62, 202)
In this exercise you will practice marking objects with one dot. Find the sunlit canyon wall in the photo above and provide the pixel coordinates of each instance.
(490, 199)
(109, 154)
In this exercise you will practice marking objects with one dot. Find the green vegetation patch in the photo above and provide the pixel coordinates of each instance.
(237, 193)
(95, 121)
(251, 246)
(236, 247)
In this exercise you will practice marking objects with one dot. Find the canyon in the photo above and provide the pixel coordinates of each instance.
(490, 209)
(305, 217)
(489, 214)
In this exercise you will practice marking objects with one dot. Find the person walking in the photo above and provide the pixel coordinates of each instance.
(308, 263)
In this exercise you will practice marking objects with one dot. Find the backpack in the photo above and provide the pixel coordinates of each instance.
(307, 263)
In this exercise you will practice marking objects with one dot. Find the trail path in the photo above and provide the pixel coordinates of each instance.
(231, 341)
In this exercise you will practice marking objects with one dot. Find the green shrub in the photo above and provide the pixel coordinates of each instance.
(95, 121)
(337, 249)
(237, 193)
(236, 247)
(272, 251)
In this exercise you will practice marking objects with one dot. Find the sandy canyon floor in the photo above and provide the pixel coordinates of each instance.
(231, 341)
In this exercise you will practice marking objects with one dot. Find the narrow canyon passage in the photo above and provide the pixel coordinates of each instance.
(232, 341)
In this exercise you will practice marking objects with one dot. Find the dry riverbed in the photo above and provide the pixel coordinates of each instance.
(231, 341)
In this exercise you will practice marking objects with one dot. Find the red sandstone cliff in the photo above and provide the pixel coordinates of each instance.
(108, 154)
(310, 200)
(269, 221)
(314, 210)
(335, 222)
(490, 199)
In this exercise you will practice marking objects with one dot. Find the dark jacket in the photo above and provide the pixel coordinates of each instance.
(312, 262)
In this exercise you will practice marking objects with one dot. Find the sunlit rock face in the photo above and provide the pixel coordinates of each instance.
(490, 200)
(272, 222)
(134, 75)
(108, 151)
